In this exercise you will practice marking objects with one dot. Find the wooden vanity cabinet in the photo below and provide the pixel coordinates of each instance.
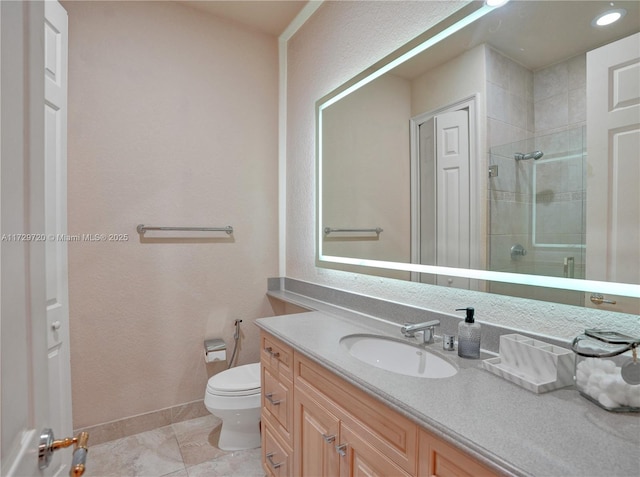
(315, 424)
(343, 431)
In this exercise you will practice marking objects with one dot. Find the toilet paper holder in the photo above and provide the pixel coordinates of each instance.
(215, 350)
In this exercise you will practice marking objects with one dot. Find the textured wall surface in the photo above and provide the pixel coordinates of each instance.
(339, 41)
(172, 121)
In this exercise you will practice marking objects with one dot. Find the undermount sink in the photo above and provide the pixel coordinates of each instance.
(397, 356)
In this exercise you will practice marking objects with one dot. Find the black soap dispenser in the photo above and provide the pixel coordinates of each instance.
(469, 336)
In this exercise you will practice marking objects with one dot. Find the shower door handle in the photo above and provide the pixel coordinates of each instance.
(518, 250)
(599, 299)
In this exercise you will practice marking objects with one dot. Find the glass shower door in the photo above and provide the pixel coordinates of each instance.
(537, 202)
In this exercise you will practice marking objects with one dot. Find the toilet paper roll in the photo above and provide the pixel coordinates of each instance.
(212, 356)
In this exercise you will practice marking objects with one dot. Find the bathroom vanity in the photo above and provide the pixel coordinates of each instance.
(326, 413)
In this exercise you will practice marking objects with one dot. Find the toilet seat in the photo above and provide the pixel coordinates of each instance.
(239, 381)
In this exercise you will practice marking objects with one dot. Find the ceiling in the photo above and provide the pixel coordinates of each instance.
(267, 16)
(534, 34)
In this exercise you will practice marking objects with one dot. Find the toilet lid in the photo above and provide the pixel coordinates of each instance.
(244, 379)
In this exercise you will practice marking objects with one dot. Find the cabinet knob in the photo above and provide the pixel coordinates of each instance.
(329, 439)
(342, 450)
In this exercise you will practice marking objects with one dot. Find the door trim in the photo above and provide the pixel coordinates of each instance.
(477, 247)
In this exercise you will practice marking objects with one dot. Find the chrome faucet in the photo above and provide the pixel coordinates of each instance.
(428, 327)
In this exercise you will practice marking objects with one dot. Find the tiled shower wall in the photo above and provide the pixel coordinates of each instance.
(528, 111)
(510, 101)
(522, 103)
(559, 96)
(510, 118)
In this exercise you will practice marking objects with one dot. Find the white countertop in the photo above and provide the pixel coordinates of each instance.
(513, 430)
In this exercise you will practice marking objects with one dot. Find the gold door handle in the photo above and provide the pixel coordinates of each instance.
(48, 446)
(599, 299)
(79, 459)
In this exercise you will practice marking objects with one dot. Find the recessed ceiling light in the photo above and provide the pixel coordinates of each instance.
(495, 3)
(609, 17)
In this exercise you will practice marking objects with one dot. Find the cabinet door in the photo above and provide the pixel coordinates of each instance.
(392, 434)
(316, 437)
(359, 459)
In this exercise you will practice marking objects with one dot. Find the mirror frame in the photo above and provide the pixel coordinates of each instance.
(458, 20)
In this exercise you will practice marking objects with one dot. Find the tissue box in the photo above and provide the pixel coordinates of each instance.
(535, 365)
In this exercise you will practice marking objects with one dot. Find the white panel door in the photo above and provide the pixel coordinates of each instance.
(613, 145)
(426, 200)
(452, 177)
(23, 352)
(55, 112)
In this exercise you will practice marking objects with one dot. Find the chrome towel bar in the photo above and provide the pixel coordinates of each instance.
(329, 230)
(143, 228)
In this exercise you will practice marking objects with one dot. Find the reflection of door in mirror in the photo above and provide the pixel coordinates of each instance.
(443, 195)
(613, 114)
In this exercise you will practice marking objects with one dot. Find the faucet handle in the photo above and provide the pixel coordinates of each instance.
(429, 334)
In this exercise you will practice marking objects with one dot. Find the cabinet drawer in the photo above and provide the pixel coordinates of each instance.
(276, 355)
(387, 431)
(360, 458)
(277, 400)
(276, 455)
(440, 459)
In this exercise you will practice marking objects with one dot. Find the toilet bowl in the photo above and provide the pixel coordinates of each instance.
(234, 396)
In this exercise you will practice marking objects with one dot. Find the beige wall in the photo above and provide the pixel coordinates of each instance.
(172, 121)
(339, 41)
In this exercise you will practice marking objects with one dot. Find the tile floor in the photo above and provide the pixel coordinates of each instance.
(183, 449)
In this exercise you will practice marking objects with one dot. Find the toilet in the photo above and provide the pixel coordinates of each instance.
(234, 396)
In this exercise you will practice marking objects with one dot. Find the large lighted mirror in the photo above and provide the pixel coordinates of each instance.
(497, 152)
